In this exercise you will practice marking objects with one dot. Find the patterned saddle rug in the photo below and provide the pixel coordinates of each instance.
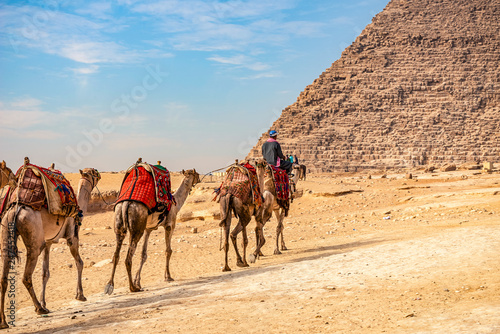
(42, 187)
(241, 181)
(148, 184)
(282, 186)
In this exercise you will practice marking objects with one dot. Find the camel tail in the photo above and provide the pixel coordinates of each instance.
(12, 250)
(225, 209)
(125, 215)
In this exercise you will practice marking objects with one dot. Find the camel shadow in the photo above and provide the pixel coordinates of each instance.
(161, 298)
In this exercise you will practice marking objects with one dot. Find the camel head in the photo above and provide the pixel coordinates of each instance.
(91, 175)
(7, 177)
(260, 163)
(192, 172)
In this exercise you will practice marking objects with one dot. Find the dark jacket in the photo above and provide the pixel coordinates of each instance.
(271, 150)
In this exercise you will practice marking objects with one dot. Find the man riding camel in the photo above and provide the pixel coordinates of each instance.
(271, 151)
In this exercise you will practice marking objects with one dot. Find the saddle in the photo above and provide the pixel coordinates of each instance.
(241, 181)
(282, 187)
(42, 187)
(147, 184)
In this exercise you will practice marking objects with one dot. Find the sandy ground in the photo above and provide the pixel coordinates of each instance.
(364, 256)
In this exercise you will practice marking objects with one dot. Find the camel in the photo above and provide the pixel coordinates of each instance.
(244, 212)
(29, 224)
(133, 216)
(6, 176)
(270, 205)
(88, 180)
(302, 172)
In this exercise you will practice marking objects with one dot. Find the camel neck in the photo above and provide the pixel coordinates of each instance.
(183, 191)
(83, 194)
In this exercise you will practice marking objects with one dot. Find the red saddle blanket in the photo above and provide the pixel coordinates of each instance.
(282, 183)
(38, 186)
(241, 181)
(149, 185)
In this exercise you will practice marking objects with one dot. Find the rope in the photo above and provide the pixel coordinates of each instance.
(215, 170)
(103, 197)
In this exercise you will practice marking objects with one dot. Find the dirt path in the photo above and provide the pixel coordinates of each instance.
(382, 259)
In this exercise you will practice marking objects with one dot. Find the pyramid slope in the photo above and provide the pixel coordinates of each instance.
(420, 85)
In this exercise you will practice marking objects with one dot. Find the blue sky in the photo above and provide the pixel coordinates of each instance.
(190, 83)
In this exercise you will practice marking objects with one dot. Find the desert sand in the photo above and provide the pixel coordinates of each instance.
(365, 255)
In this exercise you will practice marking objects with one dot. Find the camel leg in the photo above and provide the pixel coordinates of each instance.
(226, 215)
(168, 252)
(35, 244)
(266, 216)
(258, 244)
(135, 236)
(4, 283)
(74, 245)
(121, 232)
(245, 241)
(7, 264)
(282, 228)
(45, 272)
(260, 240)
(261, 220)
(234, 235)
(144, 257)
(280, 215)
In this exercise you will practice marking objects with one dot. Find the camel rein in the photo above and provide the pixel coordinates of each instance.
(95, 186)
(215, 170)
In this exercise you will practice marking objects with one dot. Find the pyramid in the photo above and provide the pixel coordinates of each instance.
(419, 86)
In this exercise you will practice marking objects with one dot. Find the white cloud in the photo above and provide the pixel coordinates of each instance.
(27, 102)
(100, 10)
(25, 118)
(86, 70)
(21, 114)
(226, 25)
(263, 75)
(93, 52)
(241, 61)
(67, 35)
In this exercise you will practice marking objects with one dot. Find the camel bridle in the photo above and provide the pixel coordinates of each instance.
(8, 176)
(94, 176)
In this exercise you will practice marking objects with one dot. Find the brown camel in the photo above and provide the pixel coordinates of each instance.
(69, 231)
(269, 206)
(7, 177)
(133, 216)
(34, 227)
(302, 172)
(231, 204)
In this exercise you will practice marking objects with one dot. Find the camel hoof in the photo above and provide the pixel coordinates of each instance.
(135, 288)
(3, 325)
(283, 248)
(277, 252)
(42, 310)
(169, 279)
(260, 254)
(242, 265)
(226, 268)
(81, 298)
(252, 258)
(108, 289)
